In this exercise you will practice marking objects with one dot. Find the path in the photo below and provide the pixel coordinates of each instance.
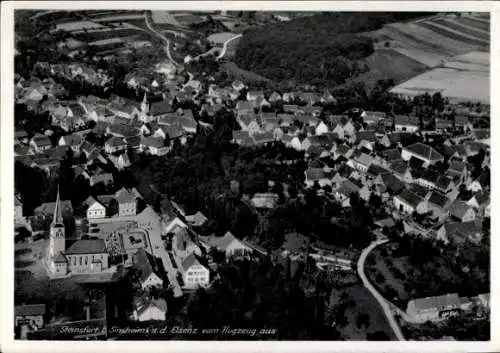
(381, 300)
(165, 39)
(224, 48)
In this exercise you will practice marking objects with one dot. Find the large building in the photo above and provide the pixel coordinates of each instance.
(82, 257)
(423, 152)
(433, 308)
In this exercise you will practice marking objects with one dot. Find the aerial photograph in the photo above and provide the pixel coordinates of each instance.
(251, 175)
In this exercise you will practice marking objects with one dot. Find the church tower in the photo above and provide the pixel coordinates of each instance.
(57, 240)
(145, 104)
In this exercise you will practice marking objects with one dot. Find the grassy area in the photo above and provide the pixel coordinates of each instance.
(238, 73)
(365, 303)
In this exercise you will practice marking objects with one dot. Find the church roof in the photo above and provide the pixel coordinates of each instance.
(88, 246)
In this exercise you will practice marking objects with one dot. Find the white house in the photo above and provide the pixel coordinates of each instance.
(95, 209)
(433, 308)
(147, 309)
(149, 270)
(410, 202)
(231, 245)
(426, 153)
(194, 274)
(321, 128)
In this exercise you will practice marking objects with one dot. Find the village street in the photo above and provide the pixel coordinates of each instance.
(381, 300)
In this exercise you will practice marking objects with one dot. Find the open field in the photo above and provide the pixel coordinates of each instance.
(435, 39)
(461, 79)
(237, 73)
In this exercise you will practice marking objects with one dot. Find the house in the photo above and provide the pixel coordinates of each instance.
(115, 144)
(254, 95)
(438, 203)
(194, 273)
(410, 202)
(198, 219)
(370, 117)
(157, 110)
(344, 192)
(443, 125)
(263, 137)
(481, 203)
(274, 97)
(362, 161)
(32, 315)
(461, 211)
(321, 128)
(230, 245)
(316, 175)
(264, 200)
(99, 176)
(147, 308)
(153, 145)
(249, 123)
(127, 202)
(40, 143)
(421, 151)
(406, 123)
(150, 273)
(120, 161)
(95, 209)
(244, 108)
(460, 232)
(433, 308)
(457, 171)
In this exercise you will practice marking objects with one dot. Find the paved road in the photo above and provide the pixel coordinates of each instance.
(165, 39)
(381, 300)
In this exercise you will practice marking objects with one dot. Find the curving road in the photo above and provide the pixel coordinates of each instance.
(381, 300)
(224, 48)
(165, 39)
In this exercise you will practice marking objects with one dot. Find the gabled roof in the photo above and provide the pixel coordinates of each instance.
(406, 120)
(190, 260)
(115, 142)
(363, 158)
(458, 209)
(146, 301)
(438, 199)
(124, 196)
(410, 198)
(436, 303)
(457, 167)
(147, 264)
(264, 200)
(464, 228)
(313, 174)
(399, 166)
(29, 310)
(159, 108)
(88, 246)
(392, 183)
(424, 151)
(155, 142)
(347, 188)
(430, 176)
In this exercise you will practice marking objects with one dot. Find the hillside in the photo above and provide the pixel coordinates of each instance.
(324, 49)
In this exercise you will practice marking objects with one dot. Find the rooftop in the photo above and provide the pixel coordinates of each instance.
(88, 246)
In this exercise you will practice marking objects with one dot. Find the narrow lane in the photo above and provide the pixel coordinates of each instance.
(381, 300)
(165, 39)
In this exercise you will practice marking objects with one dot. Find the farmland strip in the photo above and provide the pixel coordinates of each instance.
(453, 35)
(474, 23)
(465, 29)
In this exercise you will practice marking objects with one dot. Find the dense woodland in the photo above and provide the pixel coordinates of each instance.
(320, 50)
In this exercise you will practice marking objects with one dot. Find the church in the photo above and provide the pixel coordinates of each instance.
(82, 257)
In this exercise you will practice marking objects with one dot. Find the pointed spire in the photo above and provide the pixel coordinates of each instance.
(58, 219)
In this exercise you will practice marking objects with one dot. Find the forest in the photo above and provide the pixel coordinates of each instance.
(320, 50)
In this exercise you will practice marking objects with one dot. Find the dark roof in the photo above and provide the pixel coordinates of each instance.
(391, 154)
(438, 199)
(159, 108)
(29, 310)
(456, 166)
(147, 264)
(90, 246)
(315, 174)
(424, 151)
(399, 166)
(366, 135)
(410, 198)
(124, 196)
(348, 187)
(393, 184)
(415, 162)
(115, 141)
(465, 228)
(429, 175)
(406, 120)
(190, 260)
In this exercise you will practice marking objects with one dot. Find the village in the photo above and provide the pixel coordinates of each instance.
(421, 178)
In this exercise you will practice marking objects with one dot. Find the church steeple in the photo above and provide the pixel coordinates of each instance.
(58, 219)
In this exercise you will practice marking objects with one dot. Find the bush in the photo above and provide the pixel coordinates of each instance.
(379, 278)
